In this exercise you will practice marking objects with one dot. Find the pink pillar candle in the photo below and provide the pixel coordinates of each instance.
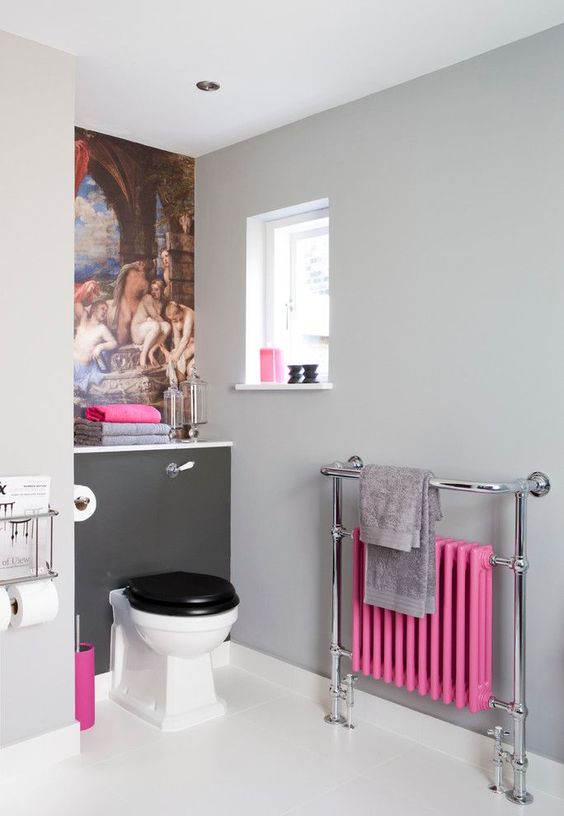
(271, 365)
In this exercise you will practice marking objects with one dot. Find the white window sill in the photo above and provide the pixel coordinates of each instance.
(321, 386)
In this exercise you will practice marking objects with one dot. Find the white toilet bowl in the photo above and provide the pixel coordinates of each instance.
(161, 666)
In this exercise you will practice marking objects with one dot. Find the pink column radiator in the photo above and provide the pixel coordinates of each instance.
(447, 655)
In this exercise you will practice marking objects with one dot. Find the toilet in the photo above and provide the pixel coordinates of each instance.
(164, 631)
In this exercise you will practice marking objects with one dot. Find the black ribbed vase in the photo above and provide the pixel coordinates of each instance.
(295, 374)
(310, 373)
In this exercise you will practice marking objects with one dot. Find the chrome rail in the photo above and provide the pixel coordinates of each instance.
(537, 484)
(49, 572)
(28, 579)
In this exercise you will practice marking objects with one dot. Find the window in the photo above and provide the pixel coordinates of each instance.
(288, 286)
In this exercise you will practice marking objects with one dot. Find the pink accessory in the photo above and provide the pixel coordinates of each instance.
(447, 655)
(271, 365)
(123, 413)
(84, 700)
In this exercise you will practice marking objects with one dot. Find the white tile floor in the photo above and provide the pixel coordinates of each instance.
(271, 755)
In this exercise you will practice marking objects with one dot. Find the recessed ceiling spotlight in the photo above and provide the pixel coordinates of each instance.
(207, 85)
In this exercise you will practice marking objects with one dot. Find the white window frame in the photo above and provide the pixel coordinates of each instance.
(302, 225)
(262, 281)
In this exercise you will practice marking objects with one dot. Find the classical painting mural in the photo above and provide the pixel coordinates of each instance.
(134, 270)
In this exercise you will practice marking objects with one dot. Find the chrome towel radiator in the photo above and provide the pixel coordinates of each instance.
(537, 484)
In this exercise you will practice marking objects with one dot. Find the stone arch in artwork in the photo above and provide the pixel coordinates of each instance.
(131, 176)
(132, 199)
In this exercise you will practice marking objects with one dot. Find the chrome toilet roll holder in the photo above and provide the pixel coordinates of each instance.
(47, 572)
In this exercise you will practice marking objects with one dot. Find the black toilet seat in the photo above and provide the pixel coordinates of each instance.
(181, 594)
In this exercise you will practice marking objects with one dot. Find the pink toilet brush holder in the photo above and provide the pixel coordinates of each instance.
(84, 674)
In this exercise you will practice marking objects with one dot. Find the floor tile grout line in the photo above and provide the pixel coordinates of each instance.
(312, 799)
(273, 738)
(160, 737)
(315, 699)
(416, 743)
(478, 768)
(282, 686)
(287, 690)
(254, 706)
(424, 748)
(90, 763)
(467, 763)
(283, 740)
(154, 737)
(273, 732)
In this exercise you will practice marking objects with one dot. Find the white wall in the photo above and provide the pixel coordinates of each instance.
(447, 341)
(36, 225)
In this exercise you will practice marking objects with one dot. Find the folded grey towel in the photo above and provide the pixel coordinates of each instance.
(396, 577)
(390, 506)
(107, 441)
(87, 426)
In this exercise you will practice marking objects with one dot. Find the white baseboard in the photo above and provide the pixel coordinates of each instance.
(220, 657)
(39, 752)
(546, 775)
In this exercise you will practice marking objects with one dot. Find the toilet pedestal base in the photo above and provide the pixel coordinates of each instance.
(167, 691)
(177, 694)
(170, 722)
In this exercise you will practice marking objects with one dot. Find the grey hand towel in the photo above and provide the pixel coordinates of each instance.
(399, 579)
(391, 506)
(108, 441)
(89, 427)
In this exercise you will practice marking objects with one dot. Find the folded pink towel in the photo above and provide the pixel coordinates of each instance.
(123, 413)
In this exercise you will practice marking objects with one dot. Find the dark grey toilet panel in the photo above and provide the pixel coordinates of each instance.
(146, 523)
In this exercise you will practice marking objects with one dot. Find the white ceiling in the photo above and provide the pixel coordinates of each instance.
(278, 62)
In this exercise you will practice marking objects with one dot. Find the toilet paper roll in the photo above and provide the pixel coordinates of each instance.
(81, 513)
(5, 609)
(36, 602)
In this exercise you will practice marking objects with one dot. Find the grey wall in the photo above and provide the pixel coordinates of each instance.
(36, 218)
(150, 524)
(447, 340)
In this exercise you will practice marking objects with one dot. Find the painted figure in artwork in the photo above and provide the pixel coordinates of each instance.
(148, 328)
(84, 296)
(92, 338)
(131, 285)
(185, 222)
(165, 261)
(182, 320)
